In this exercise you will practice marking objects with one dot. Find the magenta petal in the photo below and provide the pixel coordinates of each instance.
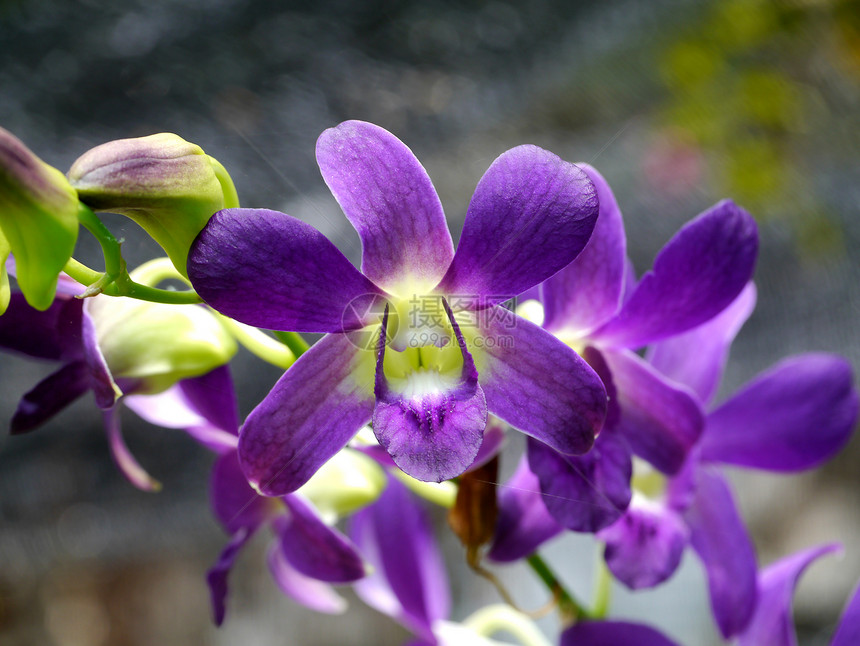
(212, 396)
(531, 214)
(772, 625)
(233, 502)
(305, 590)
(612, 633)
(389, 198)
(50, 396)
(310, 414)
(848, 632)
(313, 548)
(537, 384)
(696, 275)
(104, 388)
(217, 575)
(696, 358)
(432, 432)
(585, 493)
(659, 419)
(644, 548)
(718, 535)
(270, 270)
(408, 580)
(523, 523)
(794, 416)
(126, 462)
(50, 334)
(588, 291)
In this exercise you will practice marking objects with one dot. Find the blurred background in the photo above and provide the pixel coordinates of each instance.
(678, 104)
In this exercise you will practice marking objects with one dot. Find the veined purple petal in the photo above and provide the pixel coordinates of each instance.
(408, 581)
(310, 414)
(771, 624)
(848, 632)
(216, 577)
(536, 383)
(313, 548)
(585, 493)
(696, 275)
(305, 590)
(523, 523)
(270, 270)
(388, 197)
(126, 462)
(531, 214)
(433, 430)
(794, 416)
(644, 548)
(212, 395)
(588, 291)
(660, 420)
(718, 535)
(50, 396)
(612, 633)
(52, 334)
(234, 503)
(696, 358)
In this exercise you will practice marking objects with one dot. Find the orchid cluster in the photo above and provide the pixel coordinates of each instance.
(430, 357)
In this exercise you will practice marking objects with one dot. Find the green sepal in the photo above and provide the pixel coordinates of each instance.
(38, 219)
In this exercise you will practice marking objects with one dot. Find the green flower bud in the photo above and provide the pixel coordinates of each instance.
(155, 345)
(38, 219)
(168, 186)
(347, 482)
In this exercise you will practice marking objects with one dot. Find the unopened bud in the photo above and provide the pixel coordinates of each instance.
(38, 219)
(150, 346)
(169, 186)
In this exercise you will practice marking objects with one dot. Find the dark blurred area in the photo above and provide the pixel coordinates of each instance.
(678, 104)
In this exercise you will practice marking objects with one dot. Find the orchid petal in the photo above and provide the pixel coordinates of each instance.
(771, 624)
(696, 358)
(126, 462)
(434, 432)
(588, 291)
(659, 419)
(536, 383)
(794, 416)
(585, 493)
(388, 197)
(310, 414)
(216, 577)
(531, 214)
(52, 334)
(718, 535)
(50, 396)
(612, 633)
(523, 523)
(234, 503)
(408, 581)
(311, 593)
(848, 632)
(313, 548)
(104, 387)
(644, 548)
(270, 270)
(696, 275)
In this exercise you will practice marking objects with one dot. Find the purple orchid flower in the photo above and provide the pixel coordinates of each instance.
(66, 332)
(772, 625)
(306, 557)
(594, 306)
(429, 392)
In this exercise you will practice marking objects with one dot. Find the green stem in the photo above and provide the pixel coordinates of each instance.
(602, 586)
(114, 264)
(81, 273)
(260, 344)
(570, 609)
(293, 340)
